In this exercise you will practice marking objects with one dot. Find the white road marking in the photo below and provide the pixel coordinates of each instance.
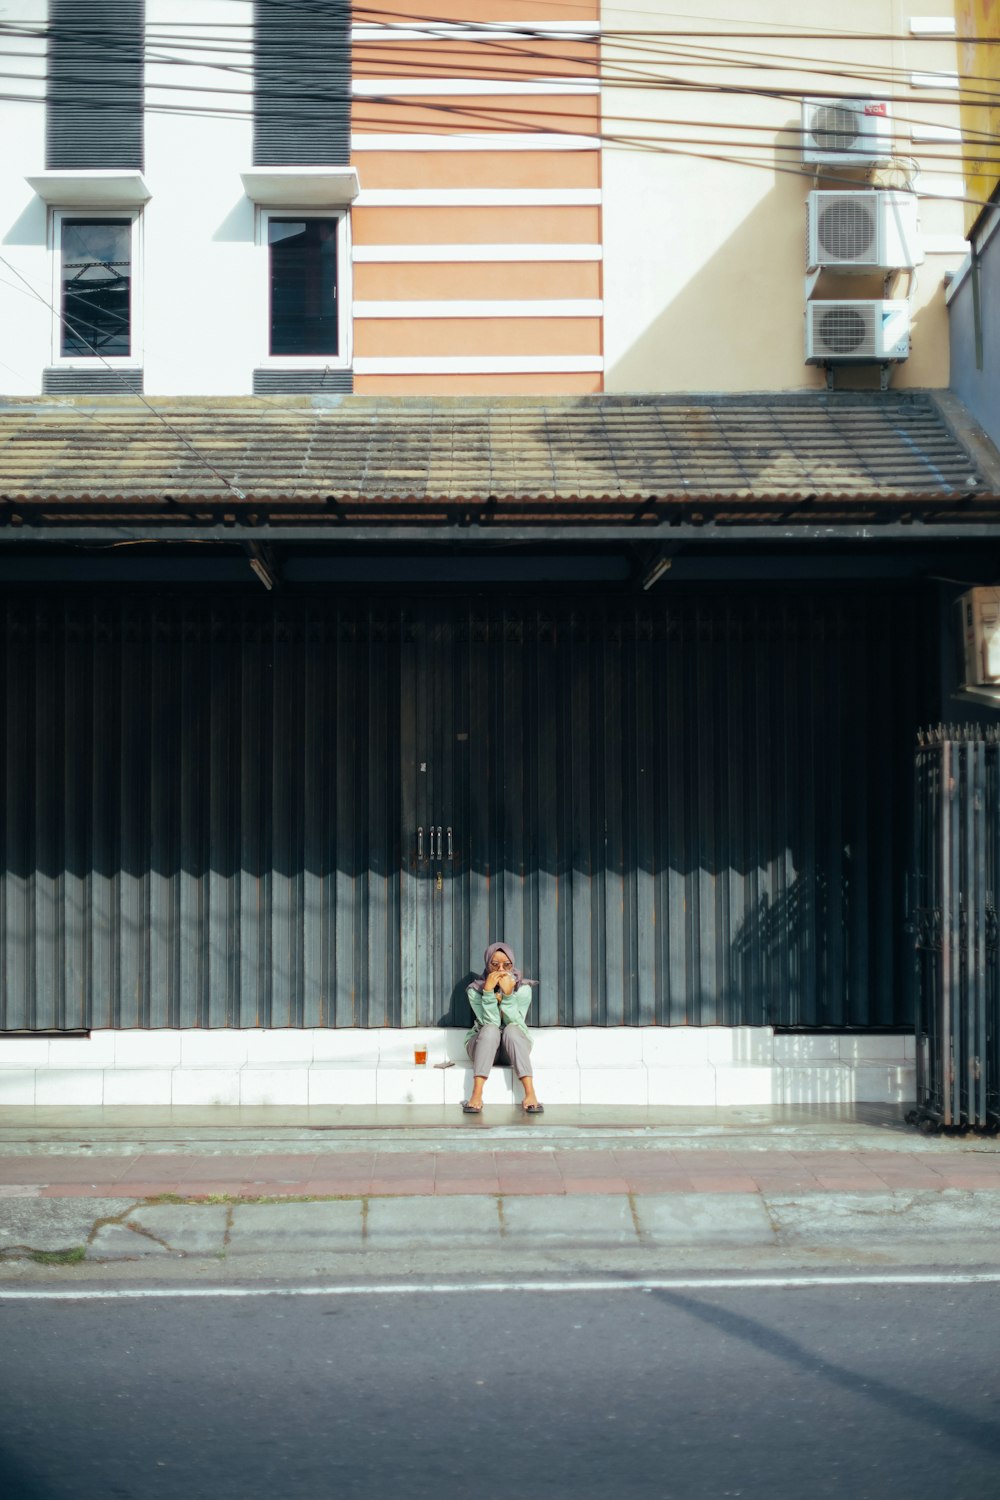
(408, 1289)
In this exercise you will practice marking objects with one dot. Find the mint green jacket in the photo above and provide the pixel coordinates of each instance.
(509, 1010)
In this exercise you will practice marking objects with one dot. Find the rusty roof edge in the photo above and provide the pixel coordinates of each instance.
(971, 438)
(165, 501)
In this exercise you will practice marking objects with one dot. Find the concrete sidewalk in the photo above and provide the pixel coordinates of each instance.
(86, 1188)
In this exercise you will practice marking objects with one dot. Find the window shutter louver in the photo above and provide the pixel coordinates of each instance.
(302, 83)
(95, 84)
(302, 382)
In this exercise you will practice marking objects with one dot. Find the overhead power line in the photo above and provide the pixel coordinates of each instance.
(647, 60)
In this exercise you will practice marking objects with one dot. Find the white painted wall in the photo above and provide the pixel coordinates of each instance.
(25, 268)
(630, 1065)
(205, 310)
(201, 277)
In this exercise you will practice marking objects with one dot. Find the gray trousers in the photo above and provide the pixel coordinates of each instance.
(511, 1043)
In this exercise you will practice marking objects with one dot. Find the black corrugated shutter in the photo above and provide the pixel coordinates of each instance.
(95, 84)
(302, 83)
(694, 810)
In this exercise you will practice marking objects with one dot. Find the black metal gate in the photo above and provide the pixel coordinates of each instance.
(955, 924)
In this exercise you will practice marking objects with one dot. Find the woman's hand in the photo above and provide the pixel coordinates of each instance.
(497, 979)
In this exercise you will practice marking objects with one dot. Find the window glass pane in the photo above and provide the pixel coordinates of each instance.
(96, 280)
(303, 285)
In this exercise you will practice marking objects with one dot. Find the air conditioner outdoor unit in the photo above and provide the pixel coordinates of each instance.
(858, 332)
(854, 132)
(978, 620)
(863, 231)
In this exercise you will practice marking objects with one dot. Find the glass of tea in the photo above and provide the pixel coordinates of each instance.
(420, 1055)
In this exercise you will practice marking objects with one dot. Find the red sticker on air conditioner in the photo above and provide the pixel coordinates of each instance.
(877, 108)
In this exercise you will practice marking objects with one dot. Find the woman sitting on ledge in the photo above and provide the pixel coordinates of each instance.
(500, 1000)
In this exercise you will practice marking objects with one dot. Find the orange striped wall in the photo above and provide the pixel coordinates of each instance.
(529, 279)
(381, 232)
(481, 11)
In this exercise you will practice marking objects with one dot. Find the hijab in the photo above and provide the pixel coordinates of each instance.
(477, 984)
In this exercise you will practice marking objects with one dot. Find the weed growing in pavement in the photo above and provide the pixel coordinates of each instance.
(58, 1257)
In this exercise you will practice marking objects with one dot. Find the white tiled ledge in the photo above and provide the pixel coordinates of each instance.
(688, 1066)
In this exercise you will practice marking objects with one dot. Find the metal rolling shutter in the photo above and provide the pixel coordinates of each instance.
(302, 88)
(95, 90)
(694, 812)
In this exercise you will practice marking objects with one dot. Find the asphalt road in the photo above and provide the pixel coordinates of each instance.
(886, 1392)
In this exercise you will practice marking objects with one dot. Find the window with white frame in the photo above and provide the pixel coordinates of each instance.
(307, 287)
(95, 288)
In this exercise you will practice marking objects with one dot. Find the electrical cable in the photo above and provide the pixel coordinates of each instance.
(205, 463)
(633, 78)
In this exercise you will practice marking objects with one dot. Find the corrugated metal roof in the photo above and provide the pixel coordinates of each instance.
(373, 454)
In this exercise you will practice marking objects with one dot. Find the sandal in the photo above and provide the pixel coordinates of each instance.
(533, 1109)
(471, 1109)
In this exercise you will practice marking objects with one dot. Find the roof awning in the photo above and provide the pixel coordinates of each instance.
(301, 187)
(86, 188)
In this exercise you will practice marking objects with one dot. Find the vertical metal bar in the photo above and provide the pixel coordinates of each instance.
(19, 986)
(992, 1009)
(512, 809)
(705, 964)
(133, 913)
(223, 952)
(627, 732)
(948, 923)
(316, 834)
(480, 852)
(349, 742)
(645, 803)
(193, 707)
(812, 749)
(77, 759)
(163, 825)
(413, 805)
(531, 835)
(839, 731)
(47, 811)
(454, 1004)
(286, 782)
(251, 777)
(550, 817)
(580, 728)
(976, 1043)
(968, 897)
(384, 851)
(959, 988)
(444, 958)
(739, 999)
(674, 753)
(105, 816)
(921, 901)
(609, 725)
(861, 784)
(933, 966)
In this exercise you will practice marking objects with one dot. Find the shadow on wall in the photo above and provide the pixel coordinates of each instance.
(798, 933)
(458, 1011)
(737, 323)
(30, 227)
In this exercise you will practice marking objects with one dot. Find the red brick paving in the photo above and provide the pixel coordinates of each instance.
(357, 1173)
